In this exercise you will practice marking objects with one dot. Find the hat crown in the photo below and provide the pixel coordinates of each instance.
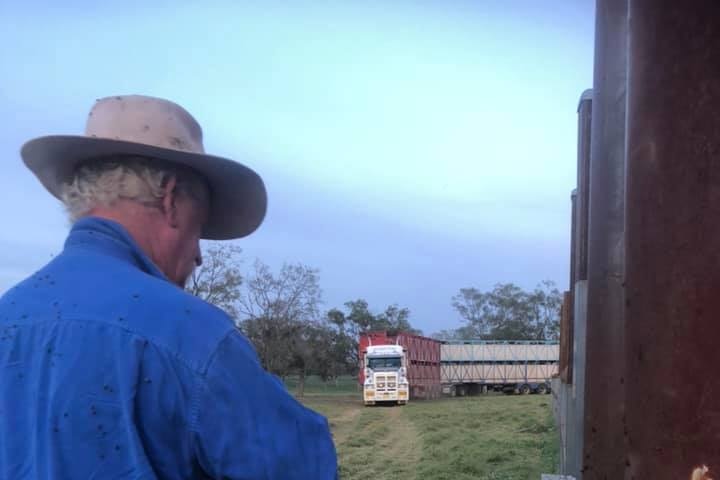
(147, 120)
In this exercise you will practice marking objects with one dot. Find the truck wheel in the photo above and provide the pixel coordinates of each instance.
(525, 389)
(542, 389)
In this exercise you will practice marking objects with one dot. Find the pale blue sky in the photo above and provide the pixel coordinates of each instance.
(409, 148)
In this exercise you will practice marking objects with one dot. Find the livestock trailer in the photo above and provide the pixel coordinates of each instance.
(470, 367)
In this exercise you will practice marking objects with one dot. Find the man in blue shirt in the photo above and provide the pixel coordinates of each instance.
(108, 368)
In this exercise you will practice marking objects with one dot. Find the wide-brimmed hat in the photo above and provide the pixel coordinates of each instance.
(154, 128)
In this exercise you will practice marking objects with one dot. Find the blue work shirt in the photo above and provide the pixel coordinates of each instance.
(109, 371)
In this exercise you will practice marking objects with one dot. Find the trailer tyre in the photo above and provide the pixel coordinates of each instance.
(525, 389)
(542, 389)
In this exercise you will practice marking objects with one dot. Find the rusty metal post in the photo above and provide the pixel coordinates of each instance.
(583, 185)
(566, 334)
(673, 239)
(567, 319)
(603, 448)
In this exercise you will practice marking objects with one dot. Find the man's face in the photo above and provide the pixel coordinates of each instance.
(191, 216)
(183, 216)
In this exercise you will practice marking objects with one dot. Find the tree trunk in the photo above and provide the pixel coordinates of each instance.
(301, 384)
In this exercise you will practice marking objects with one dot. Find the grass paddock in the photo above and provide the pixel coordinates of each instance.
(488, 437)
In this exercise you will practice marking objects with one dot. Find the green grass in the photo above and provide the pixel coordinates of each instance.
(345, 385)
(491, 437)
(488, 437)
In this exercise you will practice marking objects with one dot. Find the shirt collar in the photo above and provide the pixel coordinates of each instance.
(110, 238)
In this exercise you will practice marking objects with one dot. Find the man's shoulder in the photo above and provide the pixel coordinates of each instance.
(102, 289)
(177, 320)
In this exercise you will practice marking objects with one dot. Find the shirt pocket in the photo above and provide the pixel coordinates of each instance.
(103, 432)
(104, 419)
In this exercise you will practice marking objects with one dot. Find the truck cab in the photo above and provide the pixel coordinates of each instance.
(385, 375)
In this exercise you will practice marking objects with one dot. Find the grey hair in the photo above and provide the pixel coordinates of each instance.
(102, 182)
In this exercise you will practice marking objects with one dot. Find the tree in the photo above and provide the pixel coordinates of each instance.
(444, 335)
(219, 278)
(393, 318)
(309, 353)
(344, 333)
(281, 317)
(466, 332)
(293, 295)
(508, 312)
(359, 317)
(546, 301)
(469, 304)
(345, 328)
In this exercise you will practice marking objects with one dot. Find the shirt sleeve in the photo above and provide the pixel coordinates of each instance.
(245, 425)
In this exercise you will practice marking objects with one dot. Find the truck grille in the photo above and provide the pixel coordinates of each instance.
(385, 382)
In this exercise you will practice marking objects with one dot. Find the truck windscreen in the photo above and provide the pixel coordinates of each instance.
(384, 362)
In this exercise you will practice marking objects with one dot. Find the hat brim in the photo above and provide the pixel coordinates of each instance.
(238, 196)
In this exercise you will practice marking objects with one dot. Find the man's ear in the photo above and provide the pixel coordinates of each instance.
(169, 208)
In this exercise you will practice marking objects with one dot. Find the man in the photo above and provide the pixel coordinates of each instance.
(108, 369)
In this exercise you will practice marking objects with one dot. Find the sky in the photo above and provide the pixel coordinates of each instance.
(409, 148)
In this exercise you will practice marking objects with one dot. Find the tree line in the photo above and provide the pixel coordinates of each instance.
(281, 314)
(507, 312)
